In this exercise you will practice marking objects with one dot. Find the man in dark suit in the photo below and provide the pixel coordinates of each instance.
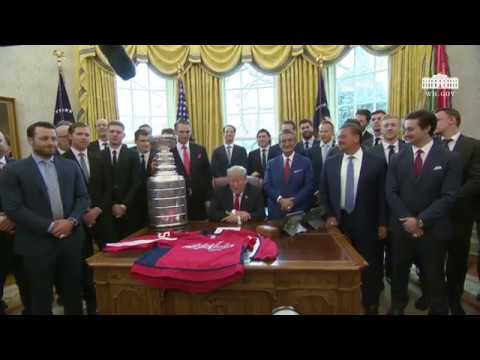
(353, 193)
(228, 154)
(308, 140)
(325, 149)
(146, 129)
(142, 151)
(239, 201)
(102, 133)
(91, 167)
(192, 163)
(462, 214)
(9, 261)
(288, 180)
(363, 117)
(286, 125)
(258, 158)
(46, 197)
(390, 145)
(422, 183)
(126, 179)
(376, 121)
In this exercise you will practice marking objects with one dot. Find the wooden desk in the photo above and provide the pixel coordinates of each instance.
(316, 273)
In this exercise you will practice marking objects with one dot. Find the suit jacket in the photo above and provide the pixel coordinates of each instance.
(378, 150)
(25, 200)
(300, 185)
(428, 197)
(220, 159)
(141, 216)
(300, 147)
(254, 161)
(252, 202)
(94, 146)
(367, 139)
(199, 183)
(469, 195)
(315, 156)
(370, 204)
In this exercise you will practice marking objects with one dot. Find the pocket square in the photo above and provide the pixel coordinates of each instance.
(437, 168)
(199, 156)
(297, 171)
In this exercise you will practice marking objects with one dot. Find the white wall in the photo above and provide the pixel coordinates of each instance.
(464, 63)
(29, 74)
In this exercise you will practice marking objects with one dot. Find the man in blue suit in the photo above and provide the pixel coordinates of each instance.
(288, 180)
(422, 183)
(46, 197)
(353, 193)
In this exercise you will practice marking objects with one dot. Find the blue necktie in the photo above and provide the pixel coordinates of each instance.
(53, 189)
(350, 187)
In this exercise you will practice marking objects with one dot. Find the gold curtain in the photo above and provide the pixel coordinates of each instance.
(408, 64)
(97, 93)
(298, 91)
(204, 106)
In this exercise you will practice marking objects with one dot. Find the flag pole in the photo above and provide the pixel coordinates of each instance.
(320, 61)
(60, 55)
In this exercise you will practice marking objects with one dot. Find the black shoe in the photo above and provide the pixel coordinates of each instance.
(394, 311)
(422, 303)
(457, 309)
(371, 310)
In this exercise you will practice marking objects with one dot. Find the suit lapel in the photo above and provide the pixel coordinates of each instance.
(37, 176)
(61, 179)
(427, 164)
(337, 168)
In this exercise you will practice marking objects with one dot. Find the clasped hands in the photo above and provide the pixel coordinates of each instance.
(411, 225)
(90, 217)
(233, 218)
(119, 210)
(62, 228)
(286, 204)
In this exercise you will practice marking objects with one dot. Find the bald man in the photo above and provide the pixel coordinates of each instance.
(102, 135)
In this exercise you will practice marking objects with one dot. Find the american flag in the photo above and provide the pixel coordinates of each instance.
(182, 110)
(321, 107)
(63, 110)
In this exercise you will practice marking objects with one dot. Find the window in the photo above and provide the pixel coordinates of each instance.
(147, 98)
(361, 83)
(250, 105)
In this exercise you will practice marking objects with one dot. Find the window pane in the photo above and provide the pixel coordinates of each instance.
(250, 102)
(233, 119)
(381, 85)
(345, 67)
(248, 144)
(344, 113)
(140, 80)
(156, 81)
(124, 102)
(139, 120)
(158, 123)
(249, 78)
(265, 99)
(364, 62)
(233, 81)
(266, 121)
(381, 63)
(140, 103)
(234, 101)
(364, 88)
(159, 103)
(248, 126)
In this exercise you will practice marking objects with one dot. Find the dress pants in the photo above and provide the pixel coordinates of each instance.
(431, 252)
(367, 243)
(66, 258)
(457, 258)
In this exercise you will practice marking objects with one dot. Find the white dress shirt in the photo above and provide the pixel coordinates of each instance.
(310, 143)
(77, 156)
(451, 144)
(239, 202)
(357, 165)
(325, 148)
(267, 149)
(3, 162)
(146, 156)
(290, 158)
(426, 149)
(60, 151)
(117, 150)
(180, 150)
(102, 144)
(387, 150)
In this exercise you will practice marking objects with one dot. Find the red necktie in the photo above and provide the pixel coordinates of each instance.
(186, 160)
(418, 163)
(286, 171)
(237, 202)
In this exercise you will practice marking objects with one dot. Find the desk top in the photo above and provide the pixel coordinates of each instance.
(313, 250)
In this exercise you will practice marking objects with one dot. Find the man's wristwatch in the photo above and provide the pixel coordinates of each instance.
(73, 221)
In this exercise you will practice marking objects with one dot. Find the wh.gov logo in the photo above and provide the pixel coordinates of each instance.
(441, 82)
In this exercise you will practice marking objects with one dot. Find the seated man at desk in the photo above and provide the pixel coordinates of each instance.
(239, 201)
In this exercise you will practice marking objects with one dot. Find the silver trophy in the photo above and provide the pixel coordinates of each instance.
(166, 191)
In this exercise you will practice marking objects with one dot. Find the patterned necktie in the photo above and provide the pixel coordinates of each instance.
(83, 166)
(186, 160)
(391, 152)
(114, 161)
(237, 202)
(446, 142)
(264, 158)
(53, 189)
(286, 171)
(229, 154)
(418, 163)
(350, 187)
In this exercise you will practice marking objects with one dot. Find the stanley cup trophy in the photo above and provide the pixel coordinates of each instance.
(167, 203)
